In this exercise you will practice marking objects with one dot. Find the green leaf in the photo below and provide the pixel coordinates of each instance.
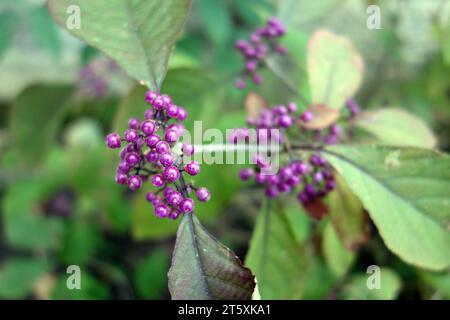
(79, 243)
(8, 25)
(319, 281)
(17, 276)
(150, 274)
(44, 31)
(338, 258)
(275, 254)
(202, 268)
(405, 191)
(24, 227)
(216, 20)
(357, 287)
(335, 69)
(348, 217)
(36, 115)
(138, 34)
(439, 282)
(396, 127)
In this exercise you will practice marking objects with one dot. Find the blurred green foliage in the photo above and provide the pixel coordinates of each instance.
(60, 205)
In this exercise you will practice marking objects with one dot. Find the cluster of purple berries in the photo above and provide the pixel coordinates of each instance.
(312, 179)
(148, 155)
(279, 117)
(327, 136)
(261, 43)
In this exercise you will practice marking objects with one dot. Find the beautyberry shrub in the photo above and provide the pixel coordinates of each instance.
(148, 154)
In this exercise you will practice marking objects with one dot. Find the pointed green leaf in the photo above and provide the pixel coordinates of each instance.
(396, 127)
(36, 115)
(348, 216)
(338, 258)
(138, 34)
(203, 268)
(275, 255)
(406, 192)
(335, 69)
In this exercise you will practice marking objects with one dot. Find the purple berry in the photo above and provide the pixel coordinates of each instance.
(174, 214)
(335, 130)
(292, 107)
(317, 161)
(131, 135)
(330, 185)
(246, 173)
(188, 149)
(167, 100)
(152, 156)
(158, 180)
(307, 116)
(272, 191)
(293, 181)
(203, 195)
(251, 65)
(240, 84)
(121, 178)
(134, 182)
(172, 111)
(310, 190)
(182, 114)
(255, 38)
(241, 45)
(171, 135)
(300, 168)
(123, 153)
(168, 191)
(150, 96)
(162, 211)
(166, 159)
(152, 140)
(187, 205)
(133, 123)
(303, 198)
(283, 187)
(149, 114)
(192, 168)
(285, 173)
(148, 127)
(318, 177)
(171, 173)
(257, 79)
(158, 103)
(123, 167)
(260, 178)
(162, 147)
(175, 198)
(132, 158)
(150, 196)
(250, 52)
(113, 140)
(285, 121)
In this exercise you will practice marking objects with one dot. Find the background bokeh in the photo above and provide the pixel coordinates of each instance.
(59, 204)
